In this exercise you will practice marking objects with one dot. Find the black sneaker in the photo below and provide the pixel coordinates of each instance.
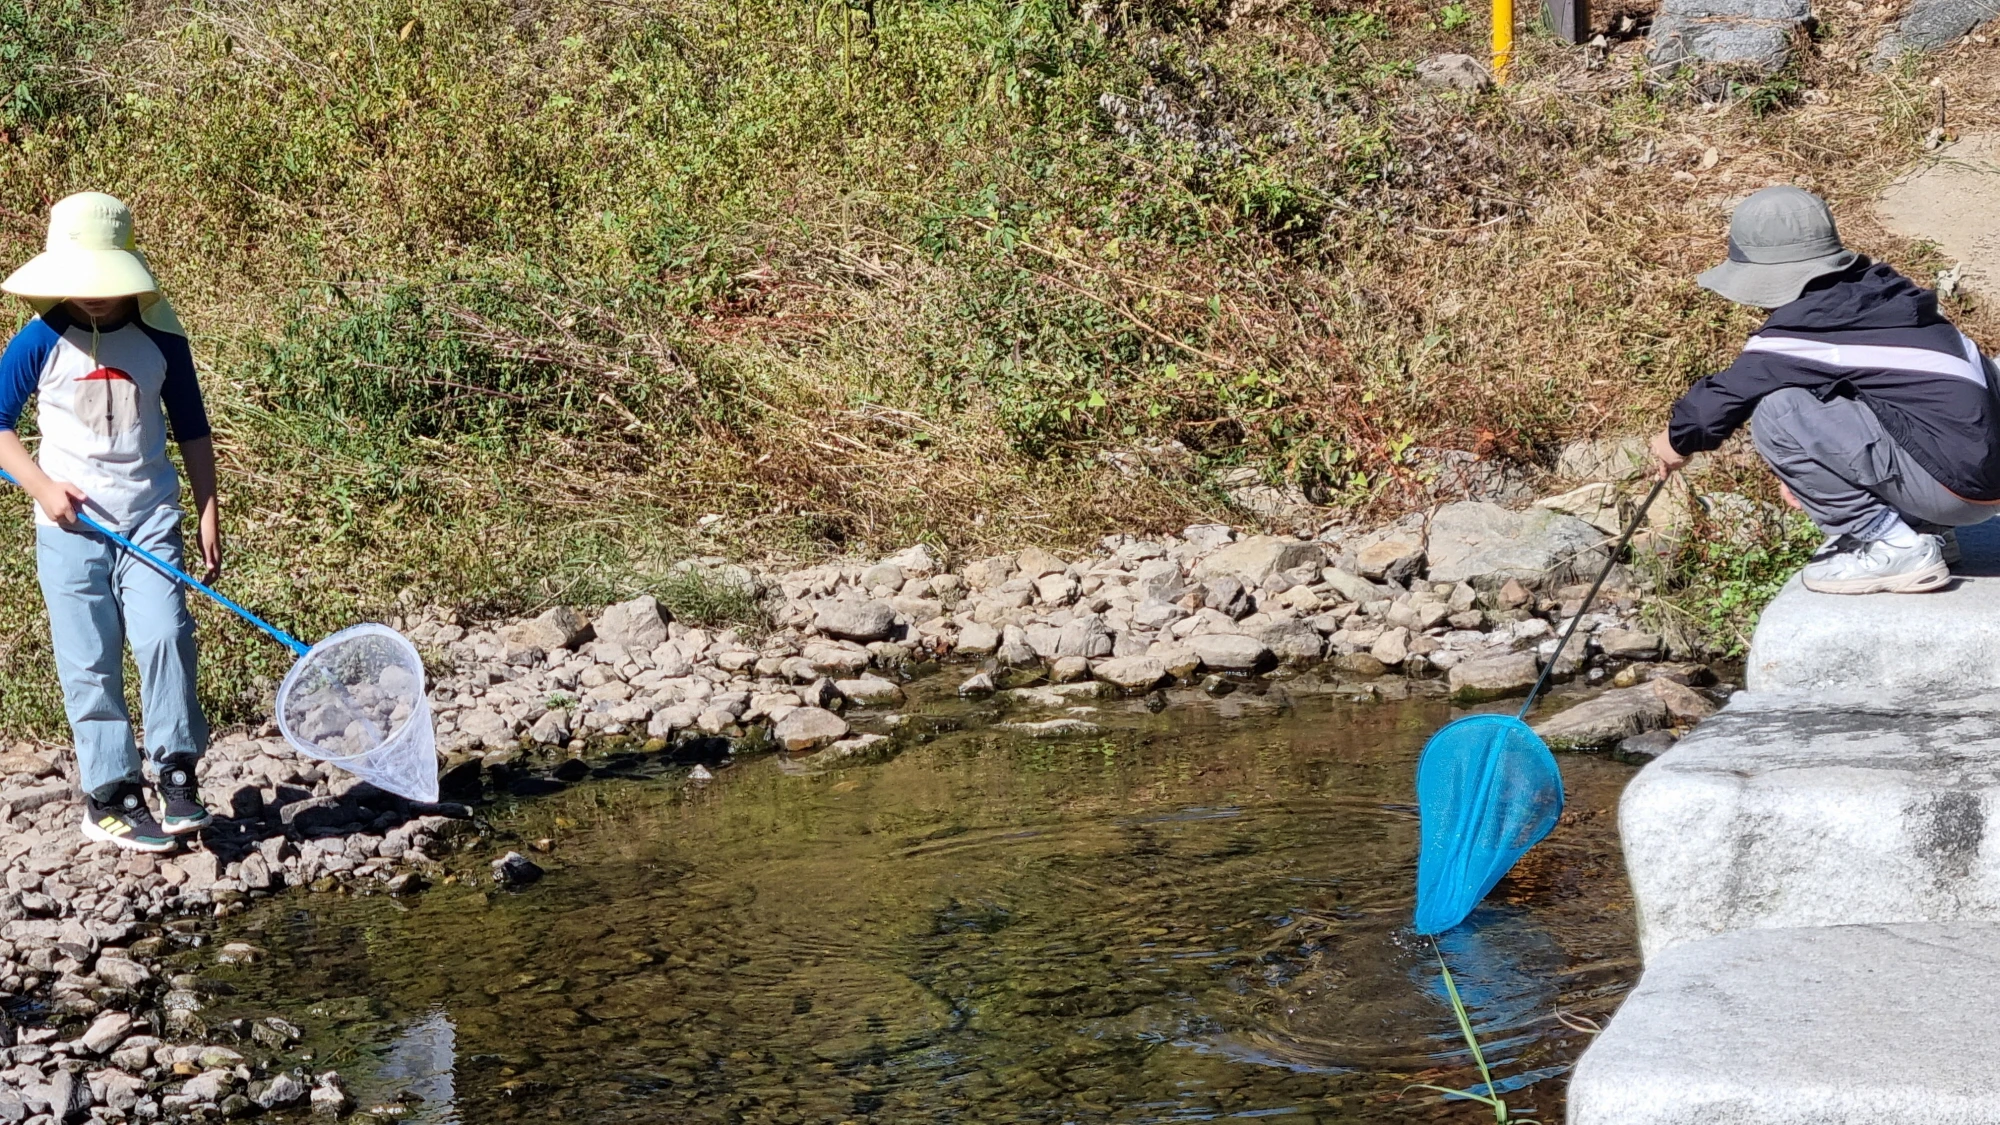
(181, 810)
(125, 820)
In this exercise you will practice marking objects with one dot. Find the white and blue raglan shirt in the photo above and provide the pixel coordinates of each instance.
(108, 399)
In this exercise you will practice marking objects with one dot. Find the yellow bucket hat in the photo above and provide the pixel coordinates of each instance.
(90, 254)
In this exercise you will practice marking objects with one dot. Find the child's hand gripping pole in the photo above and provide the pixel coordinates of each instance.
(174, 572)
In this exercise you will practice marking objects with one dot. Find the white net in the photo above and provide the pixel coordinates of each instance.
(357, 701)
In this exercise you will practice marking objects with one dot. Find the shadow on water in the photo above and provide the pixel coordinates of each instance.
(1193, 918)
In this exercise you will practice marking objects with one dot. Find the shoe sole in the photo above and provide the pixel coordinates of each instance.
(1931, 578)
(130, 844)
(184, 827)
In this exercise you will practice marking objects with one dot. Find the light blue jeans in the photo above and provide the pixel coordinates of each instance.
(101, 596)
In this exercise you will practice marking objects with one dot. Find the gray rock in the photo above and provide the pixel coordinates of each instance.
(1132, 673)
(640, 625)
(1457, 72)
(254, 873)
(1938, 646)
(1606, 719)
(1761, 1026)
(1069, 669)
(135, 1053)
(1493, 677)
(1395, 554)
(1759, 45)
(515, 870)
(1629, 644)
(69, 1095)
(1353, 587)
(1642, 748)
(107, 1031)
(1086, 636)
(330, 1100)
(808, 728)
(209, 1085)
(883, 574)
(1229, 652)
(870, 691)
(1034, 563)
(856, 621)
(121, 972)
(1485, 545)
(558, 627)
(1859, 813)
(278, 1091)
(1933, 24)
(1293, 642)
(1157, 615)
(116, 1089)
(1392, 647)
(979, 683)
(552, 729)
(1051, 728)
(977, 639)
(201, 868)
(1179, 660)
(1251, 561)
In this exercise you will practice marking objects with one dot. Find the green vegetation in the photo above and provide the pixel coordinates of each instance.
(1486, 1095)
(495, 301)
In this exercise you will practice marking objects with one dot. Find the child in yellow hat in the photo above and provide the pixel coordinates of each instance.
(113, 377)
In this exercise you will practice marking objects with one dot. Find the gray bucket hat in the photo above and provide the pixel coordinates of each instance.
(1779, 239)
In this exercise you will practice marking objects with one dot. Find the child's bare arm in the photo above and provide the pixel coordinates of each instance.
(198, 454)
(59, 499)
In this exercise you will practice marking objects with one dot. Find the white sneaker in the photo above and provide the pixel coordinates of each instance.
(1874, 567)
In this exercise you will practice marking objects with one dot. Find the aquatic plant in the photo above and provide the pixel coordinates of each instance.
(1491, 1097)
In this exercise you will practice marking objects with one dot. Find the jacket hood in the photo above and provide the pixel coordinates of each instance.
(1868, 295)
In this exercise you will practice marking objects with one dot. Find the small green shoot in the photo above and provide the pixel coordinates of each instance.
(1490, 1098)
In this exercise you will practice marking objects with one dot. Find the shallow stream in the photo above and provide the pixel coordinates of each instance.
(1201, 915)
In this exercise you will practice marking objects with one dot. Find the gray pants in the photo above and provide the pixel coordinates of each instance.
(1847, 472)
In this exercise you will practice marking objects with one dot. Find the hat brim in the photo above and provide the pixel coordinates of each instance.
(65, 274)
(1771, 286)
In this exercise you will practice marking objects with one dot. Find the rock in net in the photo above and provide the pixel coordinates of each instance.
(357, 701)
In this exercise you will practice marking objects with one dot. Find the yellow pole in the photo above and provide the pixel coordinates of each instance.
(1503, 39)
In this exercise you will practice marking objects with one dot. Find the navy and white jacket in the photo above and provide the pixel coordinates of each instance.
(107, 398)
(1867, 333)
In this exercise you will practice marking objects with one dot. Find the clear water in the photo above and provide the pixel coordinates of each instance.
(1201, 916)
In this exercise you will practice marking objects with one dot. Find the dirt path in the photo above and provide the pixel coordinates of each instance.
(1953, 199)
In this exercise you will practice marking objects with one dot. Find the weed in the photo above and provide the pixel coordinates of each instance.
(710, 595)
(1490, 1097)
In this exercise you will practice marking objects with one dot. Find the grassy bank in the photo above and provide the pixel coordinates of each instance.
(495, 300)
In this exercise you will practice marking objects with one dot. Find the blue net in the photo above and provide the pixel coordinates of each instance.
(1487, 790)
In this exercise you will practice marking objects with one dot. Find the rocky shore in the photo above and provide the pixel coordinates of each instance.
(1466, 598)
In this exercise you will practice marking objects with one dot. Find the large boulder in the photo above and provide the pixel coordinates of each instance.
(1253, 560)
(1485, 545)
(640, 624)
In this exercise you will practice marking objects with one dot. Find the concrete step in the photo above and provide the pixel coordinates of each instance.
(1939, 644)
(1838, 1025)
(1782, 811)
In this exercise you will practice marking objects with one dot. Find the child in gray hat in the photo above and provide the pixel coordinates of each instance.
(1876, 413)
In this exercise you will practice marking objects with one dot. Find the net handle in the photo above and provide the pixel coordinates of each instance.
(181, 576)
(1638, 518)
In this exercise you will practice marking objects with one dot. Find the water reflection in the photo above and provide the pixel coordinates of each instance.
(418, 1065)
(1192, 919)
